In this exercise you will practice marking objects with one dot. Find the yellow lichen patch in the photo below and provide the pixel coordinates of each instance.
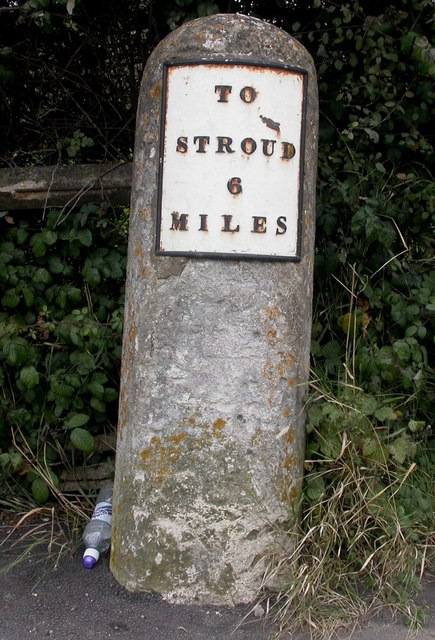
(288, 495)
(289, 461)
(268, 370)
(219, 424)
(156, 91)
(272, 337)
(123, 407)
(292, 382)
(286, 358)
(131, 334)
(138, 250)
(205, 439)
(143, 214)
(290, 436)
(286, 412)
(145, 453)
(176, 438)
(281, 370)
(256, 437)
(217, 427)
(272, 312)
(159, 457)
(169, 454)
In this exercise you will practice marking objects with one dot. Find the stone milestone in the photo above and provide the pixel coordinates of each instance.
(218, 312)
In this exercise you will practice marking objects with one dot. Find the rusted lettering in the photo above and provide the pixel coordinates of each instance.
(248, 145)
(202, 141)
(248, 94)
(259, 224)
(227, 225)
(288, 150)
(179, 222)
(234, 186)
(223, 91)
(224, 144)
(182, 144)
(268, 147)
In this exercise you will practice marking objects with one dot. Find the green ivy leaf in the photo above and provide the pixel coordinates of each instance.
(42, 276)
(40, 490)
(110, 395)
(75, 295)
(55, 264)
(17, 351)
(85, 237)
(373, 450)
(11, 299)
(29, 377)
(385, 413)
(48, 237)
(28, 296)
(315, 488)
(98, 404)
(96, 389)
(76, 420)
(401, 448)
(82, 440)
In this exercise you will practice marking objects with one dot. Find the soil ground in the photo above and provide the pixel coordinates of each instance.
(47, 594)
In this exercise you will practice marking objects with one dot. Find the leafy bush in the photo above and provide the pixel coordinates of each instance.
(62, 280)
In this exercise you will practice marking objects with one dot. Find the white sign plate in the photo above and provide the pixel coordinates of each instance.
(231, 161)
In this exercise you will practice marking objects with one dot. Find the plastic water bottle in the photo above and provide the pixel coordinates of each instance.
(98, 531)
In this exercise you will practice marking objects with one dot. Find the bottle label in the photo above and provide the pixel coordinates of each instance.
(103, 511)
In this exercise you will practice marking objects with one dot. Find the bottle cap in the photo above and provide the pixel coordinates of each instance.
(90, 558)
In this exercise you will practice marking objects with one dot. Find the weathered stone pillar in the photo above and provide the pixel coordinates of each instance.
(218, 311)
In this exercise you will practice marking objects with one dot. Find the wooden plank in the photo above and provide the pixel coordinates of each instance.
(68, 185)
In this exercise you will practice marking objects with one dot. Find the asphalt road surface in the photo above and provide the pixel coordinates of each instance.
(41, 598)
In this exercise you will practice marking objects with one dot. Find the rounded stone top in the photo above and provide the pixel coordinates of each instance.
(234, 36)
